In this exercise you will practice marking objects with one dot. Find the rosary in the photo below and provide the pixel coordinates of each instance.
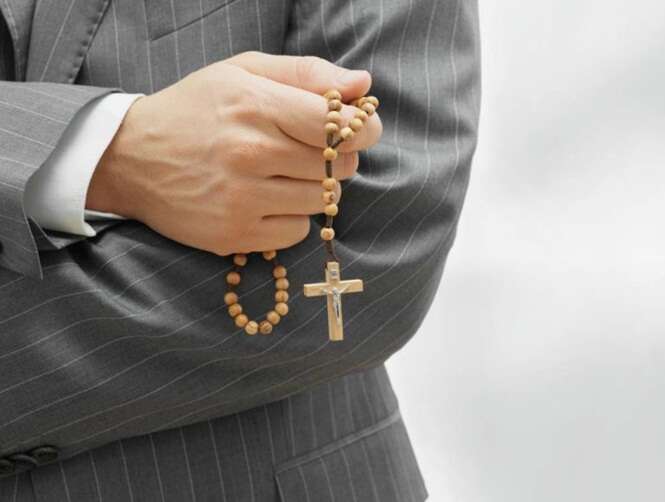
(334, 286)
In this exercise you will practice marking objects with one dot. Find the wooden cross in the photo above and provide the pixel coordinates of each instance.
(334, 288)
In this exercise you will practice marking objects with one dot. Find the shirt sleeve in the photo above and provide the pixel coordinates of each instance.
(55, 195)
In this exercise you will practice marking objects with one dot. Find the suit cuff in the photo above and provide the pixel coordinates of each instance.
(55, 195)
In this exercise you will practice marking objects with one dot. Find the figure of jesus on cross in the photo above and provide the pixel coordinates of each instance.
(334, 288)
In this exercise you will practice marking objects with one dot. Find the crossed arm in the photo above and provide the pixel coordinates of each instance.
(127, 332)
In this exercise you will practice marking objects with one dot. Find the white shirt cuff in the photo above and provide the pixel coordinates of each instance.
(55, 195)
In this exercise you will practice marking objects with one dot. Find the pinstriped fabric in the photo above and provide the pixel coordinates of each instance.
(257, 460)
(327, 476)
(6, 54)
(55, 55)
(132, 360)
(34, 116)
(17, 489)
(18, 17)
(374, 462)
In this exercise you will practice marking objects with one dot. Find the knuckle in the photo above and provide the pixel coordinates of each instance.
(244, 235)
(245, 151)
(221, 250)
(255, 105)
(282, 149)
(249, 55)
(306, 68)
(245, 104)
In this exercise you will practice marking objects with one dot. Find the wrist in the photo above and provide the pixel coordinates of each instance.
(112, 188)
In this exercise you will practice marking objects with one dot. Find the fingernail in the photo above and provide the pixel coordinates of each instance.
(352, 76)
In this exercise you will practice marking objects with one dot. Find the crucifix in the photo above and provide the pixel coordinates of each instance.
(334, 288)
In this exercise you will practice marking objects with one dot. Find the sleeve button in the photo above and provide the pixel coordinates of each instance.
(6, 466)
(44, 454)
(22, 461)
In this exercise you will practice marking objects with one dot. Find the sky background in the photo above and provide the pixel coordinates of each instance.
(539, 373)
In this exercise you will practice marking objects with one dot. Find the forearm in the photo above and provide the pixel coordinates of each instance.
(153, 344)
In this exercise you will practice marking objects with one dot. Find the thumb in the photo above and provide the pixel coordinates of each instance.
(311, 73)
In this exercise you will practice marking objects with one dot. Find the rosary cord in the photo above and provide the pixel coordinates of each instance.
(330, 246)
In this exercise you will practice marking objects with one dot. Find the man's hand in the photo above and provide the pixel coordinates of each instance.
(229, 159)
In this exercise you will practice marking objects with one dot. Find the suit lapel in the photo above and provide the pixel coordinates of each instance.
(61, 34)
(18, 15)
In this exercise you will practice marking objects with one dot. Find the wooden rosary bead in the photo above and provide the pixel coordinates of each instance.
(331, 210)
(233, 278)
(346, 133)
(327, 234)
(369, 108)
(356, 124)
(329, 197)
(329, 184)
(282, 309)
(279, 271)
(282, 283)
(330, 153)
(374, 100)
(281, 296)
(265, 328)
(331, 128)
(335, 117)
(334, 105)
(361, 114)
(273, 317)
(269, 255)
(332, 94)
(235, 309)
(240, 260)
(251, 328)
(358, 102)
(241, 320)
(230, 298)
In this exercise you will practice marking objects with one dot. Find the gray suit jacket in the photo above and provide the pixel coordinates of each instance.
(121, 376)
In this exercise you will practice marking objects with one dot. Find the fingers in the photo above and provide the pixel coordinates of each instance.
(280, 232)
(311, 73)
(301, 115)
(301, 161)
(285, 196)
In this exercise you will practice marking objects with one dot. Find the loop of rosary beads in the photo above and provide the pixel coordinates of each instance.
(281, 296)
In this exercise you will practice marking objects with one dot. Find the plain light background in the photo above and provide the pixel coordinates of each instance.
(539, 373)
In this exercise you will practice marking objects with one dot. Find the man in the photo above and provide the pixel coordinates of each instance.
(141, 144)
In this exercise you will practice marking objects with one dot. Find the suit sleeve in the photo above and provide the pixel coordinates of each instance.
(33, 119)
(398, 216)
(55, 195)
(128, 333)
